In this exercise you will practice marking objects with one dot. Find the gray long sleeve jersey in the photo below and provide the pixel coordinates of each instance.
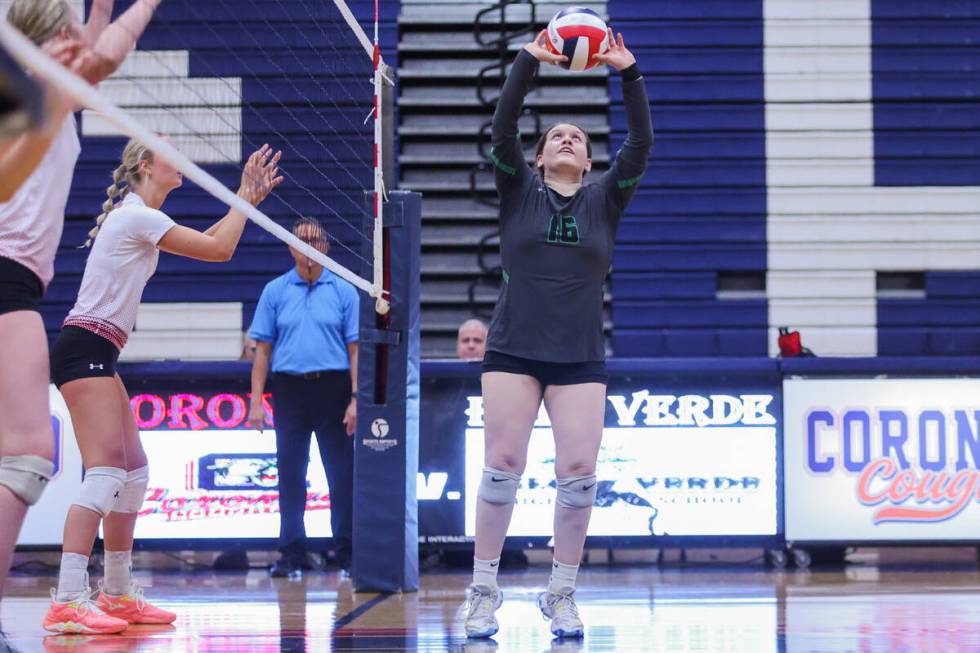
(556, 250)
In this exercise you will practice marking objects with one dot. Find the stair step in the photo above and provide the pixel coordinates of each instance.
(465, 153)
(448, 319)
(454, 264)
(477, 216)
(443, 181)
(469, 124)
(598, 159)
(469, 68)
(484, 299)
(443, 42)
(439, 345)
(409, 132)
(453, 206)
(446, 287)
(444, 186)
(456, 234)
(454, 178)
(466, 150)
(464, 14)
(465, 96)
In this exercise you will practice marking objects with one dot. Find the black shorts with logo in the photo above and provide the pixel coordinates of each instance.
(20, 289)
(547, 373)
(80, 354)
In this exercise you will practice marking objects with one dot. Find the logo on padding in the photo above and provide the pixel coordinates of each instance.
(380, 430)
(379, 427)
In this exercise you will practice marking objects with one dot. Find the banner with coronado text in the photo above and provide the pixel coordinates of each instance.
(882, 459)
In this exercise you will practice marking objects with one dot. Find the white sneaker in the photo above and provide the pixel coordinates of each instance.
(478, 608)
(561, 610)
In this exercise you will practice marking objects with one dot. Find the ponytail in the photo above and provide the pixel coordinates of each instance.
(123, 179)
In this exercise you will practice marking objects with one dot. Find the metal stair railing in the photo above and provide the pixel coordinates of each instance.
(491, 274)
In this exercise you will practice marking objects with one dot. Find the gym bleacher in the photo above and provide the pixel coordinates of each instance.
(725, 240)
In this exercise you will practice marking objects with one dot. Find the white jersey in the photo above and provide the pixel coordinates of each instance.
(123, 258)
(32, 221)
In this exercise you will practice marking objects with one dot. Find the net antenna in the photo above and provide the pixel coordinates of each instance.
(32, 58)
(380, 77)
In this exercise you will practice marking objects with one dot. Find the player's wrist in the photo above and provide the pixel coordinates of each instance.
(631, 72)
(534, 51)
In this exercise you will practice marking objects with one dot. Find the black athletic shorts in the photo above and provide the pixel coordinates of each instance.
(20, 289)
(80, 354)
(547, 373)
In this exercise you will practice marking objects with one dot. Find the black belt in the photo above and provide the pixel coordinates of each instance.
(311, 376)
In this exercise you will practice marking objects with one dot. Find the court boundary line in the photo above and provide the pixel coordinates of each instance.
(360, 610)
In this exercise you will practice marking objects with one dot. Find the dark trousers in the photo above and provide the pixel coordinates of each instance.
(304, 406)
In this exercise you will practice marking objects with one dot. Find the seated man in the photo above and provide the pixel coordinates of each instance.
(471, 340)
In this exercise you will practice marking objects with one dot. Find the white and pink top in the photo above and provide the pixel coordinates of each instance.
(32, 221)
(123, 258)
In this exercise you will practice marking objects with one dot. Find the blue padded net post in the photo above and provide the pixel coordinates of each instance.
(386, 448)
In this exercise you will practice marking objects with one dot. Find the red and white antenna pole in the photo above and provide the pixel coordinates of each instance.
(379, 287)
(378, 238)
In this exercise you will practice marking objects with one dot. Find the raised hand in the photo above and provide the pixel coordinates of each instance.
(76, 56)
(617, 55)
(64, 51)
(540, 51)
(260, 176)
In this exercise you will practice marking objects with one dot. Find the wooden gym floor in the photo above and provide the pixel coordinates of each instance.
(910, 608)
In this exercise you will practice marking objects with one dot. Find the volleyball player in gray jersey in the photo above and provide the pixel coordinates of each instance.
(546, 339)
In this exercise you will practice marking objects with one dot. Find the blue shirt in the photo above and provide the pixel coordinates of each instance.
(309, 326)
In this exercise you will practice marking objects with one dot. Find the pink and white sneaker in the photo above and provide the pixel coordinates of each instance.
(132, 608)
(81, 616)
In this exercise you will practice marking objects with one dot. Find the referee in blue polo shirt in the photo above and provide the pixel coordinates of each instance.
(306, 323)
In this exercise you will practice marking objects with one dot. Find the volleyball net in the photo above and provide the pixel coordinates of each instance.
(223, 77)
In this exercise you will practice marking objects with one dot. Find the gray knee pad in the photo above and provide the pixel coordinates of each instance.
(499, 487)
(131, 496)
(577, 491)
(100, 489)
(26, 476)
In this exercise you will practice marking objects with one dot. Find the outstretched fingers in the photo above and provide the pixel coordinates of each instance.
(271, 171)
(540, 50)
(261, 174)
(258, 155)
(617, 55)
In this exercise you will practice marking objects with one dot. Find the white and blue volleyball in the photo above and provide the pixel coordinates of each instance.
(579, 34)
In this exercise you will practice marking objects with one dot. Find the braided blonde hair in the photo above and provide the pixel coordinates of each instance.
(40, 20)
(124, 178)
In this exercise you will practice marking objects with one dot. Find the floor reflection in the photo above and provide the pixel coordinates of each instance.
(736, 611)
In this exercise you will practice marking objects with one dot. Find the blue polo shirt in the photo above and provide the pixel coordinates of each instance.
(309, 326)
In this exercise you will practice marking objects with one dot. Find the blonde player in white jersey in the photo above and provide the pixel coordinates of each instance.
(126, 244)
(124, 256)
(31, 221)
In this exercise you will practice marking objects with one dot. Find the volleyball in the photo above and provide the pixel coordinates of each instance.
(579, 34)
